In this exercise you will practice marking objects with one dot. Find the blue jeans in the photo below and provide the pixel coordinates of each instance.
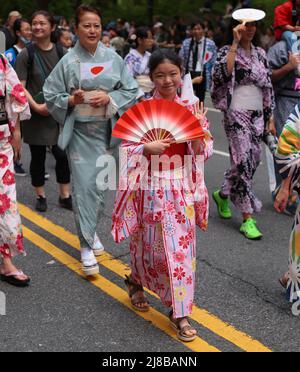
(293, 44)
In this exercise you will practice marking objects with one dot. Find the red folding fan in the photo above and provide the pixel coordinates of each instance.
(156, 120)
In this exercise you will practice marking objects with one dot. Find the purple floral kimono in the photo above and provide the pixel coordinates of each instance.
(244, 128)
(11, 238)
(161, 223)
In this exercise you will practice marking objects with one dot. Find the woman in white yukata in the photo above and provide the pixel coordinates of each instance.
(137, 61)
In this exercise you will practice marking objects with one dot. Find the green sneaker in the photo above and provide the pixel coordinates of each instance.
(223, 205)
(250, 230)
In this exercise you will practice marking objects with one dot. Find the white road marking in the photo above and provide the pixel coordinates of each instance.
(214, 110)
(222, 153)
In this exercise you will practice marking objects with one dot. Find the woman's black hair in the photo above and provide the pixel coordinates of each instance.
(141, 33)
(162, 55)
(44, 13)
(234, 23)
(58, 33)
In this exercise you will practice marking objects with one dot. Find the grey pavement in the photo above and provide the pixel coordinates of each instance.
(237, 280)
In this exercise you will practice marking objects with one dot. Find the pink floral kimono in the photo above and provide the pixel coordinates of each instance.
(11, 238)
(161, 222)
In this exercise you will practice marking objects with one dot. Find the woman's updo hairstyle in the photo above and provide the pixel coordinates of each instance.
(164, 55)
(84, 8)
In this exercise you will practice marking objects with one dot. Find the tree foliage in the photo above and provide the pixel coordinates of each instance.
(129, 9)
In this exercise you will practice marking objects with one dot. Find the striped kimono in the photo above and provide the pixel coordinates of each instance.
(162, 223)
(288, 159)
(16, 105)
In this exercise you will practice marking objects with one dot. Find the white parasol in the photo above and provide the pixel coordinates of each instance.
(248, 15)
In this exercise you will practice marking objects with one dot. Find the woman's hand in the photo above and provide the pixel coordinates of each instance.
(282, 199)
(41, 109)
(156, 147)
(101, 99)
(294, 61)
(238, 33)
(271, 127)
(16, 143)
(77, 98)
(198, 80)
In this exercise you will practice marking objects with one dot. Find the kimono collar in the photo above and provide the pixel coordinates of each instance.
(156, 95)
(78, 48)
(137, 54)
(243, 53)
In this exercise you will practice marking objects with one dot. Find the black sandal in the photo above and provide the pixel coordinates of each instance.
(12, 278)
(133, 288)
(182, 331)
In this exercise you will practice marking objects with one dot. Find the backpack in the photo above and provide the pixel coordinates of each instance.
(31, 53)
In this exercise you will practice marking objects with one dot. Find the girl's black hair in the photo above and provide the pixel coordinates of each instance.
(162, 55)
(17, 26)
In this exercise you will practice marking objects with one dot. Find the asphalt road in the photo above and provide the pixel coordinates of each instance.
(239, 303)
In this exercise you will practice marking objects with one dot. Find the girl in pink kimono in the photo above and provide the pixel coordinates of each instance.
(161, 219)
(13, 107)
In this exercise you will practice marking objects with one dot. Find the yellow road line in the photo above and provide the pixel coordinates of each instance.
(201, 316)
(155, 317)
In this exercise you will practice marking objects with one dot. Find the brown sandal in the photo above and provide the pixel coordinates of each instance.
(182, 331)
(284, 280)
(133, 288)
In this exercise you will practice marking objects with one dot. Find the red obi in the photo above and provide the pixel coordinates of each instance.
(176, 150)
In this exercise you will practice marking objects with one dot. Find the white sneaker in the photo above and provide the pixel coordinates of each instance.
(89, 262)
(98, 248)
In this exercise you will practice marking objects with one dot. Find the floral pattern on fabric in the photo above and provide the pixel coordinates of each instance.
(244, 128)
(162, 228)
(11, 237)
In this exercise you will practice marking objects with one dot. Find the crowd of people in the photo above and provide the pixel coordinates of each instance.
(54, 94)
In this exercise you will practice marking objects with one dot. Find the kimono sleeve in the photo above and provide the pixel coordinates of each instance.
(130, 63)
(56, 93)
(126, 91)
(221, 80)
(288, 152)
(16, 103)
(129, 186)
(268, 91)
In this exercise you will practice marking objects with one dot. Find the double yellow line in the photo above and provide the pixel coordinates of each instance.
(201, 316)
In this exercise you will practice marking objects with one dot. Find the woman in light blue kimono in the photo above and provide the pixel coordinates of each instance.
(87, 92)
